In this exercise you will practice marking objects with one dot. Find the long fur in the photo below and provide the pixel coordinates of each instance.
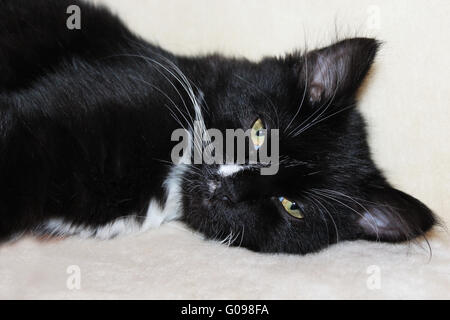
(86, 118)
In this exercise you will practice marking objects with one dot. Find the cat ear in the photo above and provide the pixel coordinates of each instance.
(394, 216)
(338, 70)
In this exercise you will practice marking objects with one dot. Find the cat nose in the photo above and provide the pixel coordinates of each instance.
(226, 198)
(224, 192)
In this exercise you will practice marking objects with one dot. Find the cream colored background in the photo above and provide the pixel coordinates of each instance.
(406, 103)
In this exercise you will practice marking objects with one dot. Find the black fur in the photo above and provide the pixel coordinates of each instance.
(86, 118)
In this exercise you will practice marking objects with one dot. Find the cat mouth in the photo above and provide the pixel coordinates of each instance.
(211, 200)
(207, 202)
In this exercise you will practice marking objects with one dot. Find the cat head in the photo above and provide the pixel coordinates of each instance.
(327, 188)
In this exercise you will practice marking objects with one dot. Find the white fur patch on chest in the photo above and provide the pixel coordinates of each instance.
(171, 210)
(156, 215)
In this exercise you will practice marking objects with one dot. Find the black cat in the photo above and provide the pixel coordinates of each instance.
(86, 121)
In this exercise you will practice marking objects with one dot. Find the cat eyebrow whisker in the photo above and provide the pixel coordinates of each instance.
(185, 83)
(303, 98)
(327, 117)
(151, 61)
(174, 116)
(184, 86)
(302, 127)
(197, 110)
(288, 162)
(272, 105)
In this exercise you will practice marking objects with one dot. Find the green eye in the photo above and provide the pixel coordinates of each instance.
(291, 207)
(258, 134)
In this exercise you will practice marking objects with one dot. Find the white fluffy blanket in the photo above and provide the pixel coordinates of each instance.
(406, 103)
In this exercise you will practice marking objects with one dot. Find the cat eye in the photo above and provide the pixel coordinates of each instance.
(258, 133)
(291, 207)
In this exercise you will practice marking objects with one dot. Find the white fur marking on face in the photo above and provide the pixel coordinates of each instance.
(226, 170)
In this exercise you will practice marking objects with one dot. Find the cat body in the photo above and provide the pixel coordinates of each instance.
(86, 123)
